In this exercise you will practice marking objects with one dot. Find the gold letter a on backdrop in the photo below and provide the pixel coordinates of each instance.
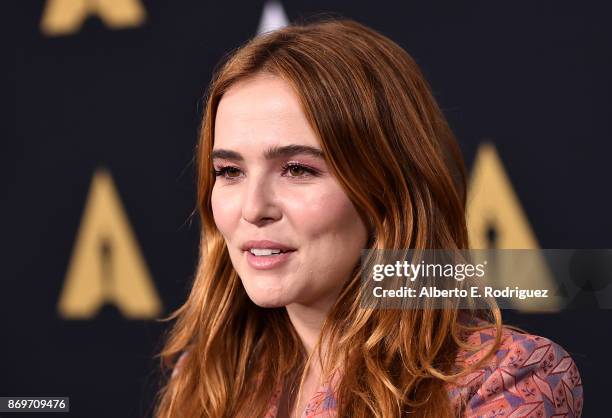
(496, 220)
(494, 214)
(106, 265)
(63, 17)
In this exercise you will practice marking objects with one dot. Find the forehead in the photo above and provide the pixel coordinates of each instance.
(261, 111)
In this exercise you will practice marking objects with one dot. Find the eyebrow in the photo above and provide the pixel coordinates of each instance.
(271, 153)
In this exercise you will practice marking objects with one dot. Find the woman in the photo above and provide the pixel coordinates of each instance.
(319, 141)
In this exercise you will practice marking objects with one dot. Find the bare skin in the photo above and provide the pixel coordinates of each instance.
(291, 199)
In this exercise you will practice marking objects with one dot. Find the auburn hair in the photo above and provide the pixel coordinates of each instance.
(390, 147)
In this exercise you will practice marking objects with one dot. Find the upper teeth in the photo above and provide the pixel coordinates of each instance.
(264, 251)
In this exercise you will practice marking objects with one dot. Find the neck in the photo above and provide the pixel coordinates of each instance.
(308, 319)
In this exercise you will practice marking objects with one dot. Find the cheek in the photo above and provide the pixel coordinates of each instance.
(333, 235)
(326, 213)
(226, 209)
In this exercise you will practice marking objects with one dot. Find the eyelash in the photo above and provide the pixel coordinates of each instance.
(222, 171)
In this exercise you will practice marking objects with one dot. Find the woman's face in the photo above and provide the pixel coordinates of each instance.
(273, 185)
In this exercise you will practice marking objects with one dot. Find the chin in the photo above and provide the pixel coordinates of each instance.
(266, 296)
(262, 303)
(265, 301)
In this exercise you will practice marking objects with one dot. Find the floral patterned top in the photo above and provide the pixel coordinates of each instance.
(529, 376)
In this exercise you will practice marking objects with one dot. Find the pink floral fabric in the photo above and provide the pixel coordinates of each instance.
(529, 376)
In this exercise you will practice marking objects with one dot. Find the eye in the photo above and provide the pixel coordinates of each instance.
(299, 170)
(291, 170)
(228, 172)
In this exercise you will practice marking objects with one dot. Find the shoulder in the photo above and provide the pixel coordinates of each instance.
(528, 375)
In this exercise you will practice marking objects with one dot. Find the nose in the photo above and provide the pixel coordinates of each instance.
(259, 205)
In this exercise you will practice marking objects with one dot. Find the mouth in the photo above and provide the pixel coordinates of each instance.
(267, 252)
(268, 258)
(266, 248)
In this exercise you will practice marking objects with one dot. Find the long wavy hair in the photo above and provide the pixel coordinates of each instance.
(390, 147)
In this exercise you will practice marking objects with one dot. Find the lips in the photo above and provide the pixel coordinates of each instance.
(266, 244)
(269, 262)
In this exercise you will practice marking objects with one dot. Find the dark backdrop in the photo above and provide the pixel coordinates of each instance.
(533, 77)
